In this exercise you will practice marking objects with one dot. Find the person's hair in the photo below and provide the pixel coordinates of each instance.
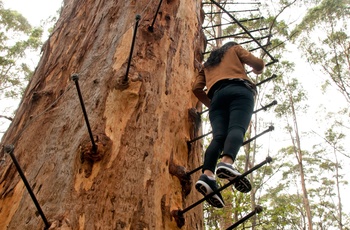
(217, 54)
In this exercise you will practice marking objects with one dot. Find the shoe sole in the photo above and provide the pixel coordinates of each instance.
(224, 173)
(205, 189)
(242, 184)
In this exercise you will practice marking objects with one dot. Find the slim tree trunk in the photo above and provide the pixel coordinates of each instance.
(250, 161)
(299, 156)
(133, 180)
(219, 28)
(337, 176)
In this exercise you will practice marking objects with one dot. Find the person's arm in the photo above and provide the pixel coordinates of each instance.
(198, 89)
(248, 58)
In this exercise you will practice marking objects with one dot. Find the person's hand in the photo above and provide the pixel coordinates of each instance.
(257, 72)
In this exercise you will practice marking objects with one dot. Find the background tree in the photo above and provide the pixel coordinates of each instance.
(330, 207)
(17, 39)
(328, 51)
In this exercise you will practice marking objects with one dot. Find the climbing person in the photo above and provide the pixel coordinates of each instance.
(230, 96)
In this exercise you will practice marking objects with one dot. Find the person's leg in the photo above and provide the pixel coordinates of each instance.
(241, 110)
(219, 119)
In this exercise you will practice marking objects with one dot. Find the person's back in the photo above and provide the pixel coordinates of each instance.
(231, 65)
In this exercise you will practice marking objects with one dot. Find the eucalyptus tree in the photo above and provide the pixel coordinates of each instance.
(17, 39)
(331, 176)
(323, 37)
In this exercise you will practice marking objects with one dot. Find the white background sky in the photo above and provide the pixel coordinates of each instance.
(38, 10)
(34, 10)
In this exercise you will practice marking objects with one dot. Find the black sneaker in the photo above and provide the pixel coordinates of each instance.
(225, 171)
(206, 186)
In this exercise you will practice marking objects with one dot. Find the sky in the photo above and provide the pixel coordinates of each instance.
(34, 10)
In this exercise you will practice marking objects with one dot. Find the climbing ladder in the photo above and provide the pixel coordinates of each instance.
(226, 21)
(222, 17)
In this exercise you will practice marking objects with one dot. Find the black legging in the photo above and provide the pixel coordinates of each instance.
(230, 113)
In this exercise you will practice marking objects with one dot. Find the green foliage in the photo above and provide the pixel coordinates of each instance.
(291, 95)
(284, 211)
(323, 36)
(17, 38)
(326, 11)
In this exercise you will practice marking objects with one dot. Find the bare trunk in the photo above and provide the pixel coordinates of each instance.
(299, 156)
(219, 28)
(340, 210)
(305, 196)
(140, 128)
(226, 217)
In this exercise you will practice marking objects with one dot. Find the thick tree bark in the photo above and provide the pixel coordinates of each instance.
(140, 128)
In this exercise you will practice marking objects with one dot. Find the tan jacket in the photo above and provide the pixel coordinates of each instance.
(231, 66)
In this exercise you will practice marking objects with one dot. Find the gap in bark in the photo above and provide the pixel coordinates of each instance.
(179, 218)
(181, 174)
(165, 210)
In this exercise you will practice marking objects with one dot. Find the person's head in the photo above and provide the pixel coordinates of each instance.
(216, 55)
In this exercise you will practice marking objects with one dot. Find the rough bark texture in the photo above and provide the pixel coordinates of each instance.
(133, 181)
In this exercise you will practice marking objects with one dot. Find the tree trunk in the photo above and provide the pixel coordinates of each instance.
(134, 179)
(337, 179)
(299, 157)
(218, 21)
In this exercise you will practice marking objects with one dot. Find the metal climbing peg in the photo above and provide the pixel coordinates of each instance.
(125, 80)
(75, 78)
(9, 149)
(257, 210)
(150, 28)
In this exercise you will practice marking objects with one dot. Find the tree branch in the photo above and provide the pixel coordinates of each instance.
(6, 117)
